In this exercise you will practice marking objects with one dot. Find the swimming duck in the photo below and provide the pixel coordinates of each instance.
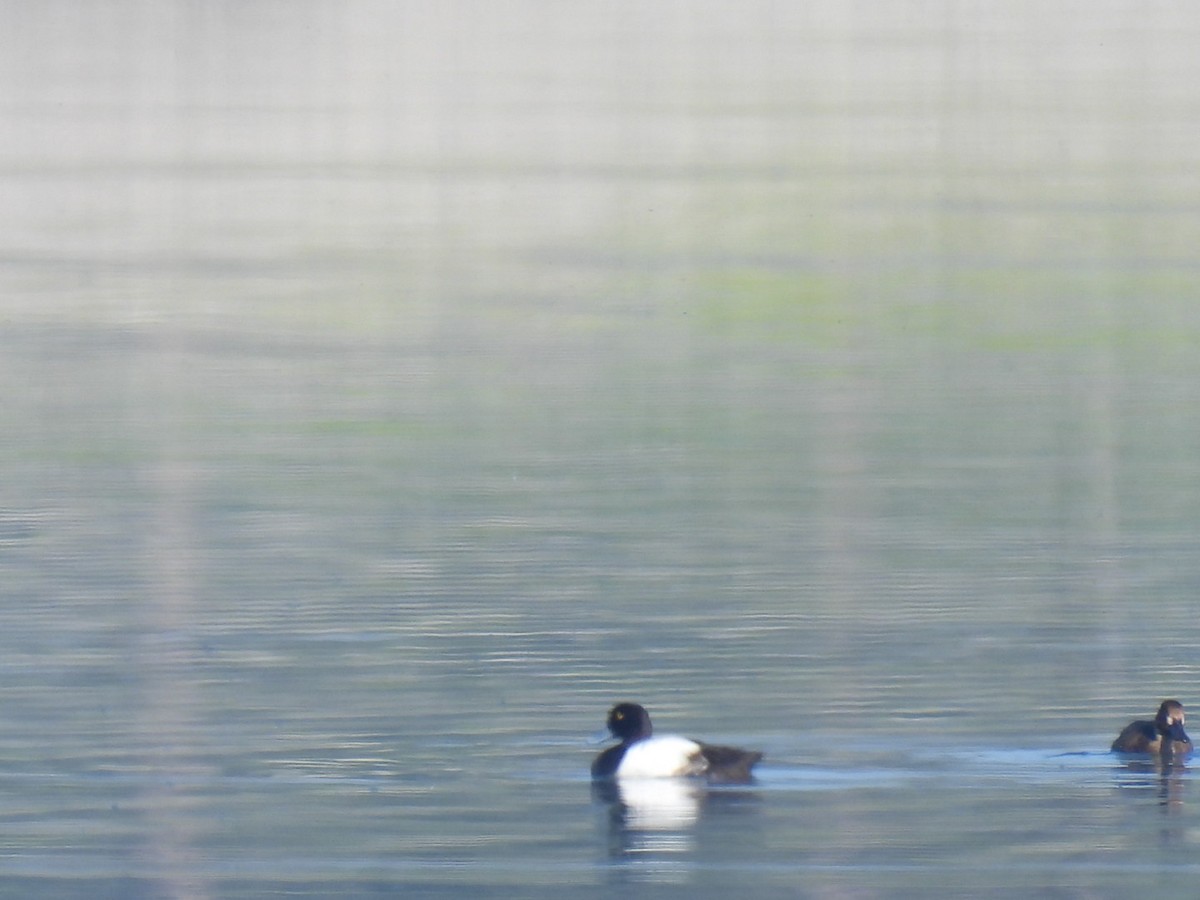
(642, 754)
(1164, 736)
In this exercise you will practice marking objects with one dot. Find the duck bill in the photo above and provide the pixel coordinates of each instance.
(601, 737)
(1176, 733)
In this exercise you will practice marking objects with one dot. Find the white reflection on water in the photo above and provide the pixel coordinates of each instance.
(650, 826)
(658, 804)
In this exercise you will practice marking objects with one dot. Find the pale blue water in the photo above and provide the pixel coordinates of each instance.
(391, 388)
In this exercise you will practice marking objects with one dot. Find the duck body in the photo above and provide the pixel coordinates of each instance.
(663, 756)
(1164, 736)
(643, 754)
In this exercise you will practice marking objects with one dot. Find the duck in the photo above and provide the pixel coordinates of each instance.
(1164, 736)
(643, 754)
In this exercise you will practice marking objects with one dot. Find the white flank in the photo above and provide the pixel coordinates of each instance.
(667, 756)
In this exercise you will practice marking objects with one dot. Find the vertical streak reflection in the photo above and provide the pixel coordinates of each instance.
(166, 658)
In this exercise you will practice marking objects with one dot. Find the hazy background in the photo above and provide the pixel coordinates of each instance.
(390, 387)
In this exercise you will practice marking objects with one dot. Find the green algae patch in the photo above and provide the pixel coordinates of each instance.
(784, 305)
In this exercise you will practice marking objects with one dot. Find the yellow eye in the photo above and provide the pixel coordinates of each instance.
(619, 716)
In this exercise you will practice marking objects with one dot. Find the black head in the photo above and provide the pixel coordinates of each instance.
(629, 722)
(1169, 721)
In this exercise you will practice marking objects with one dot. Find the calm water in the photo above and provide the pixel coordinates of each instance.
(389, 388)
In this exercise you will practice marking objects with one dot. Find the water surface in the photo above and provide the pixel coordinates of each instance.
(390, 389)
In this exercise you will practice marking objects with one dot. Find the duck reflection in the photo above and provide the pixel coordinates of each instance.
(652, 822)
(651, 804)
(1167, 779)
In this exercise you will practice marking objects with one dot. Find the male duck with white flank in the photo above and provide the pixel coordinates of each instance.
(1163, 737)
(642, 754)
